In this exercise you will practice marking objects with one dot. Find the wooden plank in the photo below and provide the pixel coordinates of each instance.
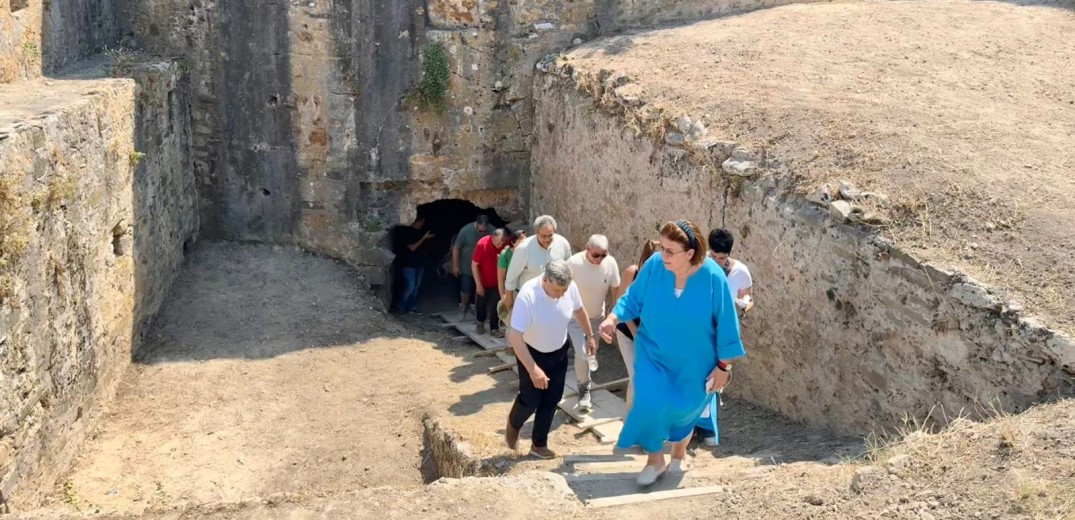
(590, 423)
(592, 477)
(469, 329)
(608, 433)
(639, 498)
(598, 411)
(493, 352)
(612, 385)
(604, 457)
(606, 450)
(501, 368)
(609, 466)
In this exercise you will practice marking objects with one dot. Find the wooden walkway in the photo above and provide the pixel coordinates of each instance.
(599, 478)
(605, 420)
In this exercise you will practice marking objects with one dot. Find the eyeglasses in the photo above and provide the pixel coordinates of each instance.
(668, 252)
(598, 256)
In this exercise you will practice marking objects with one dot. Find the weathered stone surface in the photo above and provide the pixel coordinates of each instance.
(45, 36)
(821, 196)
(840, 210)
(675, 138)
(973, 295)
(98, 191)
(311, 129)
(453, 14)
(847, 191)
(827, 295)
(864, 478)
(739, 167)
(1063, 349)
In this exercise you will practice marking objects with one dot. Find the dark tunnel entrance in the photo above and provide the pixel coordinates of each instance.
(439, 290)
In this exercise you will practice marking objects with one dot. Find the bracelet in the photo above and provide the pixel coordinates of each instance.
(725, 367)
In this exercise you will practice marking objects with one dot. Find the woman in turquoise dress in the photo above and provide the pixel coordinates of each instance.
(688, 335)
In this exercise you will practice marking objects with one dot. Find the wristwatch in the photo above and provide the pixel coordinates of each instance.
(586, 337)
(726, 367)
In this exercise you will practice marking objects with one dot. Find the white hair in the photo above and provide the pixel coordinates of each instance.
(544, 221)
(597, 242)
(558, 273)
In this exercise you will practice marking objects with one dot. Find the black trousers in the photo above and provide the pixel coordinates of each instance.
(531, 400)
(486, 307)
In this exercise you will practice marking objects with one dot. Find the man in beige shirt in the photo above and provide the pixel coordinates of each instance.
(596, 274)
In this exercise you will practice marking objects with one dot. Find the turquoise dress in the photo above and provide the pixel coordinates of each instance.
(676, 349)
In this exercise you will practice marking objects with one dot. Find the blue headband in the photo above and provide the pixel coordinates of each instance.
(689, 232)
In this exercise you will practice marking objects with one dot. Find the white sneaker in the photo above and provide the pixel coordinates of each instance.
(585, 401)
(710, 441)
(650, 475)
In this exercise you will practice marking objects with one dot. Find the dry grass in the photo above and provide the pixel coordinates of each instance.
(966, 132)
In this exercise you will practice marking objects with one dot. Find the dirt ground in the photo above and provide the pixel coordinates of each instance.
(961, 113)
(270, 371)
(272, 387)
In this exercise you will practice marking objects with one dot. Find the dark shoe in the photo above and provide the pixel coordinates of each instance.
(480, 327)
(511, 435)
(498, 333)
(542, 453)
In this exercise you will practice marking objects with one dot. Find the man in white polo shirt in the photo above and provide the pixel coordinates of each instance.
(595, 272)
(529, 259)
(538, 335)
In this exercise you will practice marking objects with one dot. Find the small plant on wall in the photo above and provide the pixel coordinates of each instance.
(432, 92)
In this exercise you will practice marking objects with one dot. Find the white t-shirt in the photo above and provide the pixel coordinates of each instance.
(594, 281)
(738, 279)
(543, 320)
(529, 259)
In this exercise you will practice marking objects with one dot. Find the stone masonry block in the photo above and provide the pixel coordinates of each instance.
(453, 14)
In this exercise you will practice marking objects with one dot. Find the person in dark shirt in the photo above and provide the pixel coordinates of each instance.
(412, 241)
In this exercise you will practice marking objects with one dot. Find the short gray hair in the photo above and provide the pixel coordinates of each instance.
(500, 233)
(597, 242)
(558, 272)
(543, 221)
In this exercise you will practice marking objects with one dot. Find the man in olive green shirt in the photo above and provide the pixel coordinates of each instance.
(463, 248)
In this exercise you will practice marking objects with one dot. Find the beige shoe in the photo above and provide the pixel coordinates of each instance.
(650, 474)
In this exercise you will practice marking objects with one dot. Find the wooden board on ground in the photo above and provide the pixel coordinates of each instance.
(606, 405)
(610, 386)
(612, 466)
(508, 359)
(608, 433)
(654, 496)
(603, 457)
(468, 329)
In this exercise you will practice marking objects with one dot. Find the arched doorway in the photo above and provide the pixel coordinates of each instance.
(439, 291)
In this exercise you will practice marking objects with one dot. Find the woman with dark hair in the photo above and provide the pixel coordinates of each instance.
(688, 334)
(625, 332)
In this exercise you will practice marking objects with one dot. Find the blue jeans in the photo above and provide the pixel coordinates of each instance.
(466, 285)
(412, 280)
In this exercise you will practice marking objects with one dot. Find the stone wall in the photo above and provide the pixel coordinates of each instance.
(306, 127)
(848, 331)
(97, 201)
(39, 36)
